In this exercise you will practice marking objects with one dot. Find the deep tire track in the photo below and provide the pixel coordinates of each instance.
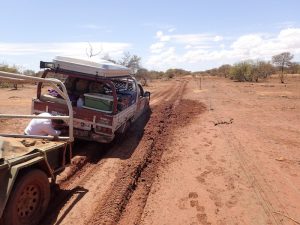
(89, 159)
(110, 210)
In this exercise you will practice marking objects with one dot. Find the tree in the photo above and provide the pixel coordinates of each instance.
(156, 74)
(262, 70)
(142, 75)
(282, 60)
(131, 61)
(108, 58)
(29, 72)
(212, 72)
(294, 68)
(224, 70)
(170, 73)
(90, 52)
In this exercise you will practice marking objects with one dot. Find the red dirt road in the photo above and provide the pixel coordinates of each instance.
(225, 154)
(238, 163)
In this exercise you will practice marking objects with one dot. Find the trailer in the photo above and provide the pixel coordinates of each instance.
(30, 163)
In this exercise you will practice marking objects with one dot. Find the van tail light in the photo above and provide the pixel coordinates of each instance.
(105, 130)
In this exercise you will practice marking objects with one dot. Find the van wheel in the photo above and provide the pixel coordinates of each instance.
(29, 199)
(122, 129)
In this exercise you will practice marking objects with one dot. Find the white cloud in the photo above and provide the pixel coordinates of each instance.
(197, 50)
(247, 42)
(218, 38)
(171, 29)
(188, 46)
(257, 45)
(62, 48)
(29, 54)
(189, 51)
(193, 39)
(190, 39)
(291, 37)
(160, 35)
(157, 47)
(167, 59)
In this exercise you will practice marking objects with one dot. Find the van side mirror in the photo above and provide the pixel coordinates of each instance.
(147, 95)
(46, 65)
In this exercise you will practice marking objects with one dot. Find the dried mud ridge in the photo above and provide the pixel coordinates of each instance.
(131, 187)
(216, 123)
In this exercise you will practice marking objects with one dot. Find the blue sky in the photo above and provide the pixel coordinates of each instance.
(193, 35)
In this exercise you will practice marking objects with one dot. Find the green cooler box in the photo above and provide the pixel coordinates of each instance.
(99, 102)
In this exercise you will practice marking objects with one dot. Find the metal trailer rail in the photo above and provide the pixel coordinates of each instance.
(55, 84)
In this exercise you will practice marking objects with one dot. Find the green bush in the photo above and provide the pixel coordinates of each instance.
(242, 71)
(6, 68)
(5, 85)
(251, 71)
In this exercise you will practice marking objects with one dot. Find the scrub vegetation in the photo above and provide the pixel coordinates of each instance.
(254, 71)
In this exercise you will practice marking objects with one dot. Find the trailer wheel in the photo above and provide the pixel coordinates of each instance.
(29, 199)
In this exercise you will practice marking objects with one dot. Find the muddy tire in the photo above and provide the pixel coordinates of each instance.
(28, 200)
(122, 129)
